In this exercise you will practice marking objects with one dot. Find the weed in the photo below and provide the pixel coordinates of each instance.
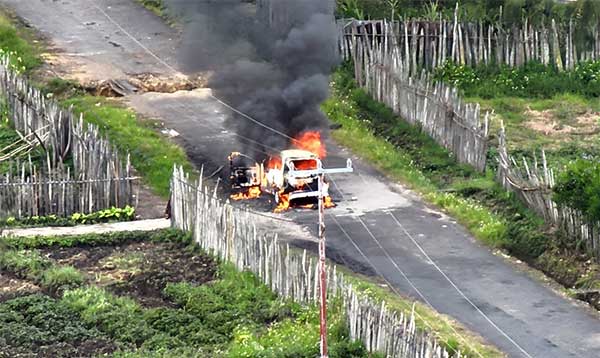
(25, 57)
(24, 263)
(57, 279)
(61, 88)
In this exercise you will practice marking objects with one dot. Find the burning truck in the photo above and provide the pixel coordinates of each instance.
(292, 177)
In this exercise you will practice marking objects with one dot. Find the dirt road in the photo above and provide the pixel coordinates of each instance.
(378, 227)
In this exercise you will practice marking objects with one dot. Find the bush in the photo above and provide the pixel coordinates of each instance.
(578, 187)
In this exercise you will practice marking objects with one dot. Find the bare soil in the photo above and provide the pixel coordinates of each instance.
(13, 287)
(138, 270)
(545, 122)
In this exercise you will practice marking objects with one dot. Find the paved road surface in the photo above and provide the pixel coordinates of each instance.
(378, 226)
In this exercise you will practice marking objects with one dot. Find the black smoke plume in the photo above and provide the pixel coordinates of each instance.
(270, 60)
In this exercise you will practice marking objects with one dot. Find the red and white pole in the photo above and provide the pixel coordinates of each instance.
(322, 274)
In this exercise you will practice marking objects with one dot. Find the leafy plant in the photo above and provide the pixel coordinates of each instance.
(578, 187)
(108, 215)
(351, 9)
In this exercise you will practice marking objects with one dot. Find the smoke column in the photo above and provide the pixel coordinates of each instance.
(278, 73)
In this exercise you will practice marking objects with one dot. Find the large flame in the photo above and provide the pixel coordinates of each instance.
(252, 193)
(311, 141)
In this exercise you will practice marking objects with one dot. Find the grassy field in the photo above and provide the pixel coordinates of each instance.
(475, 200)
(147, 295)
(566, 126)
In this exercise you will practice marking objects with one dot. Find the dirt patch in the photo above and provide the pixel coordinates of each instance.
(545, 122)
(13, 287)
(150, 82)
(140, 270)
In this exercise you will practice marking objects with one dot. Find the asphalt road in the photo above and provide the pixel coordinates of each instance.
(378, 227)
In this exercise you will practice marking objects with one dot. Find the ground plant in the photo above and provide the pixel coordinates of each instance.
(170, 299)
(103, 216)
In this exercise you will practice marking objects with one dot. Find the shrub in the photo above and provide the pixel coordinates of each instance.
(578, 187)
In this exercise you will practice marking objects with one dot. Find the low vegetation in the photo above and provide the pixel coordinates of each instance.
(19, 42)
(227, 314)
(152, 155)
(103, 216)
(578, 187)
(487, 210)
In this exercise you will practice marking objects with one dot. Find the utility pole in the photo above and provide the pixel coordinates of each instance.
(320, 173)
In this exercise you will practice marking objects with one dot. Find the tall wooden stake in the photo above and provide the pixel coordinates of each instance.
(323, 275)
(320, 172)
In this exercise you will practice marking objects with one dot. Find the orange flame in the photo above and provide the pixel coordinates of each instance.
(284, 202)
(311, 141)
(252, 193)
(305, 164)
(328, 202)
(274, 163)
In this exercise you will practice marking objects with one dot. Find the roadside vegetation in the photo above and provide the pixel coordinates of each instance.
(476, 200)
(20, 43)
(149, 295)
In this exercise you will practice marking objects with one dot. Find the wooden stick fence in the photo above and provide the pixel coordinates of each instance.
(435, 107)
(95, 179)
(533, 183)
(232, 234)
(429, 44)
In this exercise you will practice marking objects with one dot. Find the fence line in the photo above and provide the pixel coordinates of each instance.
(533, 184)
(428, 44)
(231, 234)
(75, 152)
(435, 107)
(382, 70)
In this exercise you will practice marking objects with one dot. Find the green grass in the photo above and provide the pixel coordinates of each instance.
(18, 42)
(152, 155)
(564, 110)
(62, 278)
(156, 6)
